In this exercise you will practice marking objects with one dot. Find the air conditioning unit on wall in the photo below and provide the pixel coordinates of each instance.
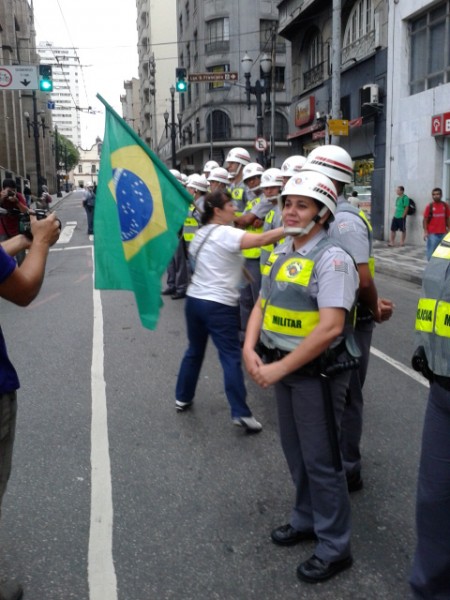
(370, 94)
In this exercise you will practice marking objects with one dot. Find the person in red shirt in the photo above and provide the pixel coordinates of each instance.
(436, 221)
(9, 224)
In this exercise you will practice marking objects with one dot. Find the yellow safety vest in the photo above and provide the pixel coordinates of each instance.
(433, 310)
(252, 253)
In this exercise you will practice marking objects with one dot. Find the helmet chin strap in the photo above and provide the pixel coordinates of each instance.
(302, 231)
(235, 173)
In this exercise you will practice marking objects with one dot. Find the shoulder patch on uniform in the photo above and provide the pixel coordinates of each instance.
(346, 226)
(340, 265)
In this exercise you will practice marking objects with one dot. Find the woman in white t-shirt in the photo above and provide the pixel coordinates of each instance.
(212, 305)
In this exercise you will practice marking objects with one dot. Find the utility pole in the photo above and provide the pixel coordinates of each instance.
(58, 180)
(336, 65)
(273, 99)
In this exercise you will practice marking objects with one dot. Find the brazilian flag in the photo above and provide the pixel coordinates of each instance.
(139, 209)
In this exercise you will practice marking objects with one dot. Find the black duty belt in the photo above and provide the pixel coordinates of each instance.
(270, 355)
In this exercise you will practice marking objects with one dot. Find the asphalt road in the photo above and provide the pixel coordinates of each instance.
(194, 498)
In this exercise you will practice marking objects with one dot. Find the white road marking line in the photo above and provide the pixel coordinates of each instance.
(71, 248)
(101, 573)
(66, 233)
(400, 366)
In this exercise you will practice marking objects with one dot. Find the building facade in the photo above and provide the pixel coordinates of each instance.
(88, 166)
(363, 49)
(66, 90)
(25, 121)
(213, 38)
(418, 106)
(157, 50)
(131, 104)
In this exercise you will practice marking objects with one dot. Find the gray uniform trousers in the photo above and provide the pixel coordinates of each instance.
(352, 419)
(322, 503)
(178, 271)
(250, 292)
(430, 577)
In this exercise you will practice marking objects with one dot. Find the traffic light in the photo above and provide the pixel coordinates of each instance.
(181, 83)
(45, 78)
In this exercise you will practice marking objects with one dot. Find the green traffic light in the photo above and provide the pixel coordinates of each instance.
(181, 86)
(46, 86)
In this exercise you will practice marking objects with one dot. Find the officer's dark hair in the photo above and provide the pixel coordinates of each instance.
(213, 200)
(9, 183)
(436, 190)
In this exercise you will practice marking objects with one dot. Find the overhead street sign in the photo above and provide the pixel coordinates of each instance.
(213, 76)
(18, 77)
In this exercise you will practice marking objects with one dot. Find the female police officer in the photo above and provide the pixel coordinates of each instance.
(307, 295)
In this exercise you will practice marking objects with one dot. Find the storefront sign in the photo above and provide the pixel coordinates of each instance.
(440, 124)
(304, 111)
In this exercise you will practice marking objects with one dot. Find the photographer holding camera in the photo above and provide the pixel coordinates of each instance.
(11, 199)
(20, 285)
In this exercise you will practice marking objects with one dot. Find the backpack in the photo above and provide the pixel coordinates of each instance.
(412, 207)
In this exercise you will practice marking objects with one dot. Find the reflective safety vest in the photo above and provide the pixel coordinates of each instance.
(272, 221)
(347, 207)
(238, 196)
(190, 226)
(290, 312)
(433, 310)
(254, 253)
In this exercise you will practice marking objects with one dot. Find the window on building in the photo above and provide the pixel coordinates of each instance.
(360, 22)
(281, 127)
(218, 35)
(221, 126)
(93, 169)
(216, 85)
(80, 168)
(312, 58)
(430, 49)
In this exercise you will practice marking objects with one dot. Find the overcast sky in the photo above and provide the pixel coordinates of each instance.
(105, 36)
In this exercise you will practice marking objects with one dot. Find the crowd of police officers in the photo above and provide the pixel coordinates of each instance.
(262, 198)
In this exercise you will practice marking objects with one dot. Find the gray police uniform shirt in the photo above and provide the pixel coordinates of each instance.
(335, 270)
(261, 209)
(351, 233)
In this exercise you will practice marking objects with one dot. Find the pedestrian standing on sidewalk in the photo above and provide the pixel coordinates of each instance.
(212, 305)
(399, 218)
(301, 323)
(430, 577)
(436, 221)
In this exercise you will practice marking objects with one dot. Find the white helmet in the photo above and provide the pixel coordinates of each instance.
(333, 161)
(219, 174)
(272, 178)
(312, 185)
(292, 165)
(176, 173)
(239, 156)
(252, 170)
(184, 179)
(209, 166)
(198, 182)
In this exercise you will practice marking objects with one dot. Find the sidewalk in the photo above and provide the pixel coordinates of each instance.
(406, 263)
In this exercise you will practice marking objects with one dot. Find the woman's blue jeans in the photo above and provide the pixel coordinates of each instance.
(205, 318)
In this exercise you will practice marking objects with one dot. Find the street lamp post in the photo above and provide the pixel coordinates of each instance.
(34, 124)
(173, 126)
(258, 89)
(57, 165)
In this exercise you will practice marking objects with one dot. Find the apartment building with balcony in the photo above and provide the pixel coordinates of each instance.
(363, 85)
(66, 89)
(213, 38)
(157, 50)
(131, 104)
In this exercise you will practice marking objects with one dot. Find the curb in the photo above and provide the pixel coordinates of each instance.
(398, 273)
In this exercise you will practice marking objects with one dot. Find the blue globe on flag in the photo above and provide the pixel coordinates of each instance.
(134, 203)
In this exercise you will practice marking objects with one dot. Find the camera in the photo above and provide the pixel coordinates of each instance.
(25, 221)
(11, 194)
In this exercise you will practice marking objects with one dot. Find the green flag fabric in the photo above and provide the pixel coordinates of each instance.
(139, 209)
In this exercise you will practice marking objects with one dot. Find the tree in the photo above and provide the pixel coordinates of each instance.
(69, 155)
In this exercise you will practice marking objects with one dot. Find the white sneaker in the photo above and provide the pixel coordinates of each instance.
(250, 423)
(180, 406)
